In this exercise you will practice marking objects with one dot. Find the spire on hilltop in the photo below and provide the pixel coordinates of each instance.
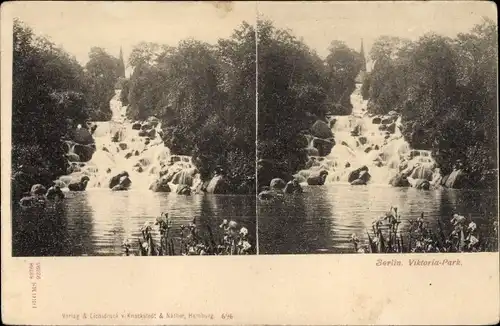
(121, 64)
(363, 58)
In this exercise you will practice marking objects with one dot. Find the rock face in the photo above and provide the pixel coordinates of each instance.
(79, 186)
(357, 173)
(456, 179)
(277, 184)
(324, 146)
(183, 190)
(116, 179)
(321, 129)
(218, 185)
(292, 187)
(399, 180)
(317, 178)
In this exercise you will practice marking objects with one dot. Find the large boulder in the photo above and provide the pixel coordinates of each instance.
(136, 126)
(218, 185)
(116, 179)
(160, 185)
(79, 186)
(364, 176)
(356, 173)
(82, 136)
(54, 193)
(376, 120)
(321, 129)
(123, 146)
(302, 141)
(422, 172)
(323, 146)
(123, 184)
(84, 152)
(146, 126)
(399, 180)
(277, 184)
(362, 140)
(38, 189)
(143, 133)
(358, 182)
(456, 179)
(117, 137)
(151, 133)
(292, 187)
(389, 119)
(317, 178)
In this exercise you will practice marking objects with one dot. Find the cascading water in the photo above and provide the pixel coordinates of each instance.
(120, 147)
(372, 141)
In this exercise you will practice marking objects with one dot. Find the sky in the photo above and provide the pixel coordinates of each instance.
(78, 26)
(318, 23)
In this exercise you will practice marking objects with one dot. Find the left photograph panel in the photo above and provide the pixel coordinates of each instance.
(133, 129)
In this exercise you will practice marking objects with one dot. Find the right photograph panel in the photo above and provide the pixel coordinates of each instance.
(377, 127)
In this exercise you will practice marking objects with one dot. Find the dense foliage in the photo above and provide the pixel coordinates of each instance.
(296, 88)
(51, 94)
(205, 97)
(446, 91)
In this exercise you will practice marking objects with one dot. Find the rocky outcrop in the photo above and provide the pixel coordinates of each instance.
(116, 179)
(317, 178)
(321, 129)
(357, 173)
(79, 186)
(123, 184)
(399, 180)
(324, 146)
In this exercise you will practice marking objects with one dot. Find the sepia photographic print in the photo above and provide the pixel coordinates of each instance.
(309, 139)
(378, 134)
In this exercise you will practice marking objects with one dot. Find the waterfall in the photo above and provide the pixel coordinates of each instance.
(374, 141)
(120, 147)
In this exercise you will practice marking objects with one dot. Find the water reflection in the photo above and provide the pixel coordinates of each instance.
(323, 219)
(96, 222)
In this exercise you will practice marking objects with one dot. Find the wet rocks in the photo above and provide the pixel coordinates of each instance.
(317, 178)
(136, 126)
(399, 180)
(79, 186)
(376, 120)
(54, 193)
(116, 179)
(84, 152)
(363, 140)
(123, 146)
(124, 183)
(160, 185)
(324, 146)
(422, 184)
(356, 173)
